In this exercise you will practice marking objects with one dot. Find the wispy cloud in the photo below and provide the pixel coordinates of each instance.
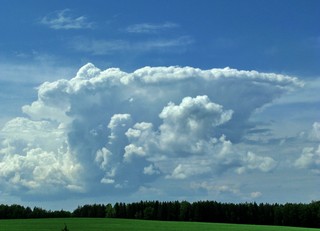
(150, 28)
(27, 70)
(104, 47)
(64, 20)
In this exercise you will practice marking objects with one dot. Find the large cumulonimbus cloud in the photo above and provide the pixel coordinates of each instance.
(118, 131)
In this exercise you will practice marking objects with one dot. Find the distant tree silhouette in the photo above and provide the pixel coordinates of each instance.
(304, 215)
(289, 214)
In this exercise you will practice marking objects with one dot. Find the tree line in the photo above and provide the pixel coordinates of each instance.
(20, 212)
(289, 214)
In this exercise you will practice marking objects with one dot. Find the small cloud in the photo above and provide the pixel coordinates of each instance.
(149, 191)
(251, 161)
(214, 188)
(107, 181)
(75, 188)
(150, 28)
(185, 171)
(150, 170)
(133, 150)
(63, 20)
(309, 159)
(255, 195)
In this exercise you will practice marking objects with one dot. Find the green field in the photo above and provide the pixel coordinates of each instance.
(106, 224)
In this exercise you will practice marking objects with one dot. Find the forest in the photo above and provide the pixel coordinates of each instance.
(289, 214)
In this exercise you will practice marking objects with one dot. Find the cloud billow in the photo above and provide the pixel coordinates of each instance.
(119, 131)
(310, 156)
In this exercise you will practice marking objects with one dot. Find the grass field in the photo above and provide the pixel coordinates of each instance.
(106, 224)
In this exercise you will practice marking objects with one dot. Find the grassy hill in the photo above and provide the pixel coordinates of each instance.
(107, 224)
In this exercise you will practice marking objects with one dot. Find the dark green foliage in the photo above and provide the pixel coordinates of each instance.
(303, 215)
(110, 211)
(18, 211)
(95, 210)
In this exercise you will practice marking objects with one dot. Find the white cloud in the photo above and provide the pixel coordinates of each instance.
(252, 161)
(255, 195)
(131, 150)
(183, 171)
(118, 122)
(35, 157)
(310, 156)
(310, 159)
(150, 28)
(63, 20)
(107, 181)
(214, 188)
(119, 131)
(150, 170)
(102, 158)
(187, 126)
(315, 133)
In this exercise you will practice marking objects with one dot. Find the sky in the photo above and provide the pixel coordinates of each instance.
(106, 101)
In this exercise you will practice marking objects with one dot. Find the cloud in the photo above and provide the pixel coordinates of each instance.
(35, 158)
(24, 78)
(27, 73)
(315, 133)
(107, 47)
(214, 188)
(109, 130)
(189, 125)
(310, 156)
(255, 195)
(63, 20)
(251, 161)
(184, 171)
(150, 28)
(150, 170)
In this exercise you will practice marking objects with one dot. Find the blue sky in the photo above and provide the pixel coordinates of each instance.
(105, 101)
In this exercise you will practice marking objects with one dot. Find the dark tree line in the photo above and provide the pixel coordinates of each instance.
(95, 210)
(21, 212)
(303, 215)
